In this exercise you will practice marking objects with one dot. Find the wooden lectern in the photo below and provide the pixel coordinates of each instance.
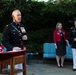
(12, 58)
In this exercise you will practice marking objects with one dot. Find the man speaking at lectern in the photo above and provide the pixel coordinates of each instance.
(14, 35)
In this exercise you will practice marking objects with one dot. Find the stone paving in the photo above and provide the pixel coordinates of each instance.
(49, 69)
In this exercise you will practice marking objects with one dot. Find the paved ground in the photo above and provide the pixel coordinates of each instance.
(49, 69)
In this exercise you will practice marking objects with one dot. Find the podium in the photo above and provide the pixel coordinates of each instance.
(12, 58)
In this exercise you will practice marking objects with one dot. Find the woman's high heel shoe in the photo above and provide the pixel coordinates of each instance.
(62, 66)
(58, 66)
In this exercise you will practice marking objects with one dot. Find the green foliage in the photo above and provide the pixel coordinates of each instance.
(0, 37)
(38, 15)
(38, 37)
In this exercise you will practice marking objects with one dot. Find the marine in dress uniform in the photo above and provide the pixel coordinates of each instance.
(72, 37)
(14, 35)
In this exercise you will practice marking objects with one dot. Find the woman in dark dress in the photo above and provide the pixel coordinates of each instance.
(60, 39)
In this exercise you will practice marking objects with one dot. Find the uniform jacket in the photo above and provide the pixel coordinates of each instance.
(12, 37)
(56, 36)
(72, 35)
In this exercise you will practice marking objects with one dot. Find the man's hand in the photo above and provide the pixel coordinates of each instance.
(16, 48)
(74, 39)
(24, 48)
(24, 37)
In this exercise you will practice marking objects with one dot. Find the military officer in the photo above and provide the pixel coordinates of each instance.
(14, 35)
(72, 37)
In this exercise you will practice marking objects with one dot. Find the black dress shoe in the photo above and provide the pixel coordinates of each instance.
(62, 66)
(59, 66)
(74, 69)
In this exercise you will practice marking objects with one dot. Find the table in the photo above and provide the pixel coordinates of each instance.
(12, 58)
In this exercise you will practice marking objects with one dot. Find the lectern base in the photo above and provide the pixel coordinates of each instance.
(13, 59)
